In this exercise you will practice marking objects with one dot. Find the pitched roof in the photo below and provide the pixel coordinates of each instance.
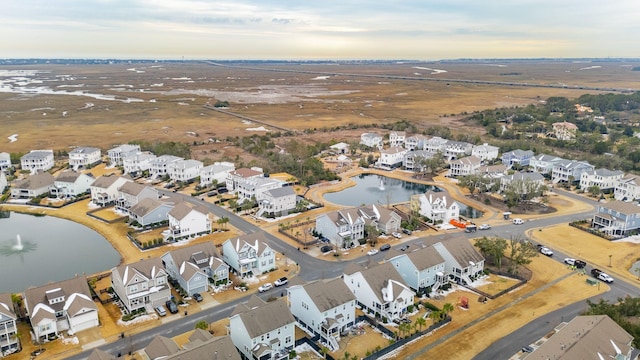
(246, 172)
(145, 206)
(622, 207)
(218, 347)
(257, 241)
(37, 298)
(35, 181)
(83, 150)
(433, 196)
(182, 209)
(161, 346)
(105, 181)
(186, 253)
(148, 268)
(69, 176)
(266, 317)
(327, 295)
(37, 154)
(425, 258)
(468, 160)
(132, 188)
(385, 281)
(201, 335)
(281, 192)
(98, 354)
(462, 250)
(6, 306)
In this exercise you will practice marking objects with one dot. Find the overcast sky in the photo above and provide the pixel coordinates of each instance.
(313, 29)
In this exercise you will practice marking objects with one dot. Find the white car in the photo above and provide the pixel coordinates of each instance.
(484, 227)
(518, 221)
(372, 252)
(396, 235)
(546, 251)
(265, 287)
(606, 278)
(281, 282)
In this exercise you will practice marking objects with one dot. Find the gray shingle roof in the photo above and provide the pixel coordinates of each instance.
(266, 317)
(36, 181)
(327, 295)
(161, 346)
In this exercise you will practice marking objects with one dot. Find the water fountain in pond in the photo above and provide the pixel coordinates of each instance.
(381, 186)
(17, 247)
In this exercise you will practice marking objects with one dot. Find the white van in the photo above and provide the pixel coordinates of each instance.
(518, 221)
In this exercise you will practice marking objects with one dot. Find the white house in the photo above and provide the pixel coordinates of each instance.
(241, 176)
(143, 284)
(342, 227)
(9, 342)
(70, 184)
(627, 188)
(543, 163)
(118, 153)
(379, 290)
(104, 190)
(84, 157)
(422, 269)
(413, 159)
(5, 161)
(517, 158)
(252, 188)
(263, 330)
(186, 220)
(436, 206)
(468, 165)
(192, 266)
(149, 211)
(277, 202)
(435, 145)
(415, 142)
(371, 140)
(391, 158)
(463, 263)
(130, 193)
(569, 170)
(565, 130)
(37, 160)
(604, 179)
(61, 306)
(249, 254)
(160, 164)
(218, 173)
(456, 149)
(184, 170)
(324, 307)
(138, 162)
(32, 186)
(341, 148)
(397, 138)
(485, 152)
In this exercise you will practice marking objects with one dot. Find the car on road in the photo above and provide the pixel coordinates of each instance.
(372, 252)
(600, 275)
(173, 308)
(527, 349)
(518, 221)
(281, 282)
(470, 228)
(404, 247)
(573, 262)
(546, 251)
(396, 235)
(197, 297)
(161, 310)
(265, 287)
(484, 227)
(385, 247)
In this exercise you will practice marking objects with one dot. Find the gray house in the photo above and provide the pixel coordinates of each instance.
(463, 263)
(420, 269)
(193, 266)
(149, 211)
(517, 157)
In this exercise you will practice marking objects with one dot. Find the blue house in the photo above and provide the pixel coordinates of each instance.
(421, 269)
(617, 218)
(517, 157)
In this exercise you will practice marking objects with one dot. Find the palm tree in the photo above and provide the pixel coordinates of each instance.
(447, 308)
(324, 350)
(420, 322)
(435, 316)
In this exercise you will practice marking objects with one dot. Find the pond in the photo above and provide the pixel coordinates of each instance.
(378, 189)
(35, 250)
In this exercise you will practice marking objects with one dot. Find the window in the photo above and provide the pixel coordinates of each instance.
(287, 339)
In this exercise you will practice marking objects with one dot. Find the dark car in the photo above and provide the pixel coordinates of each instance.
(326, 248)
(197, 297)
(385, 247)
(407, 231)
(173, 308)
(527, 349)
(404, 248)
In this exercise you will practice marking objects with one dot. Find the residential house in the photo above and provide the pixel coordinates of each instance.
(138, 162)
(143, 284)
(456, 149)
(252, 188)
(569, 170)
(5, 161)
(192, 266)
(84, 157)
(517, 158)
(119, 153)
(240, 176)
(413, 160)
(371, 140)
(391, 158)
(587, 337)
(199, 348)
(277, 202)
(184, 170)
(188, 221)
(32, 186)
(485, 152)
(435, 145)
(161, 348)
(397, 138)
(249, 254)
(216, 173)
(149, 211)
(130, 193)
(543, 163)
(379, 290)
(37, 161)
(627, 188)
(9, 339)
(326, 308)
(564, 130)
(617, 218)
(415, 142)
(340, 148)
(342, 227)
(468, 165)
(463, 263)
(104, 190)
(61, 306)
(263, 330)
(71, 184)
(98, 354)
(160, 164)
(522, 183)
(385, 220)
(436, 206)
(422, 270)
(604, 179)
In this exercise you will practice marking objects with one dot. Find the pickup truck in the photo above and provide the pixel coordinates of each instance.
(600, 275)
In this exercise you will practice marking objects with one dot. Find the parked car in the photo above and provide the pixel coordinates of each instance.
(484, 227)
(396, 235)
(282, 281)
(600, 275)
(161, 310)
(404, 247)
(518, 221)
(527, 349)
(573, 262)
(407, 231)
(385, 247)
(265, 287)
(197, 297)
(372, 252)
(326, 248)
(546, 251)
(173, 308)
